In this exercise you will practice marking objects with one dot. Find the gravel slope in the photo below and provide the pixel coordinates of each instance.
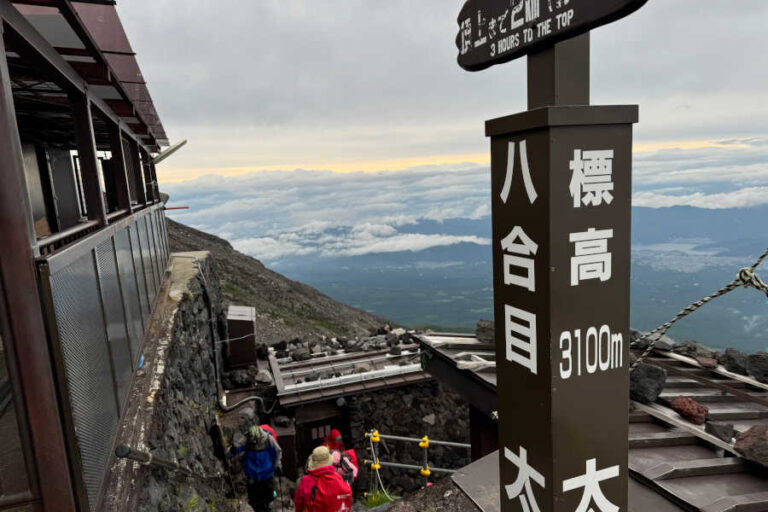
(286, 309)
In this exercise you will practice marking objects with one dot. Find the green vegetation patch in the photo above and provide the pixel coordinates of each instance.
(374, 500)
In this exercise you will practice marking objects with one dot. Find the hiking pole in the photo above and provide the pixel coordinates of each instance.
(280, 487)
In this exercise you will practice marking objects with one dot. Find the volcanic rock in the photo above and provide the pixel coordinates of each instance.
(663, 343)
(646, 382)
(757, 366)
(301, 354)
(374, 343)
(723, 431)
(485, 331)
(639, 341)
(734, 361)
(362, 368)
(247, 414)
(264, 377)
(634, 339)
(690, 409)
(692, 349)
(707, 362)
(753, 444)
(238, 379)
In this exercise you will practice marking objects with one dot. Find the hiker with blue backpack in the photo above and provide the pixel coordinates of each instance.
(260, 457)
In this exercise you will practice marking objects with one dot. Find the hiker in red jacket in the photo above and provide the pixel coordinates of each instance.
(334, 441)
(322, 489)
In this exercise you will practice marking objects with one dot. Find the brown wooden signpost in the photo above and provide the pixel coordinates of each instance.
(561, 203)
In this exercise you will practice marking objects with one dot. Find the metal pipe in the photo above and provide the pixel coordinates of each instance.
(168, 152)
(431, 441)
(409, 466)
(116, 214)
(61, 235)
(126, 452)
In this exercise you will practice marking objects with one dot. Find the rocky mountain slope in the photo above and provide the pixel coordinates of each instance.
(285, 309)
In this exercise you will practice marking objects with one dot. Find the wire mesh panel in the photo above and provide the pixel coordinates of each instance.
(161, 256)
(164, 232)
(146, 257)
(101, 291)
(153, 247)
(141, 279)
(164, 226)
(160, 239)
(129, 284)
(114, 317)
(154, 243)
(152, 251)
(77, 305)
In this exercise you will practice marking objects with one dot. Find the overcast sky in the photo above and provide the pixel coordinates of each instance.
(371, 85)
(264, 87)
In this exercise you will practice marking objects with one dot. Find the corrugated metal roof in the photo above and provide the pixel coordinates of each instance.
(329, 377)
(119, 80)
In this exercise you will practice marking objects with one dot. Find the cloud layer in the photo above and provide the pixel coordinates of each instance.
(274, 214)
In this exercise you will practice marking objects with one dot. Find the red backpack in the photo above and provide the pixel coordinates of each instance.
(330, 493)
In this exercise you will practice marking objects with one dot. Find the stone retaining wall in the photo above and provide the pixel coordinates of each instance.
(173, 399)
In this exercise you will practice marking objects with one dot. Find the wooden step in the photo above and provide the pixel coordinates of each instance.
(670, 438)
(697, 467)
(682, 382)
(757, 502)
(706, 395)
(737, 415)
(640, 417)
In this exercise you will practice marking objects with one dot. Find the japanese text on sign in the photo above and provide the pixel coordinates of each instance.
(519, 270)
(493, 31)
(522, 489)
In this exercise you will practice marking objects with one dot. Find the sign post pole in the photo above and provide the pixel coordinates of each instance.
(561, 209)
(559, 74)
(561, 189)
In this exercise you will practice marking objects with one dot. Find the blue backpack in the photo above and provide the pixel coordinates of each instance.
(259, 464)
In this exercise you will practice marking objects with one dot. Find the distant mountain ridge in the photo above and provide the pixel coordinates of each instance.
(679, 255)
(286, 309)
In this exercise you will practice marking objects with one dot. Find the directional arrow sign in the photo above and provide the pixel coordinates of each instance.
(496, 31)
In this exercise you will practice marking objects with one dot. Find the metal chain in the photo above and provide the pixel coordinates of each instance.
(746, 277)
